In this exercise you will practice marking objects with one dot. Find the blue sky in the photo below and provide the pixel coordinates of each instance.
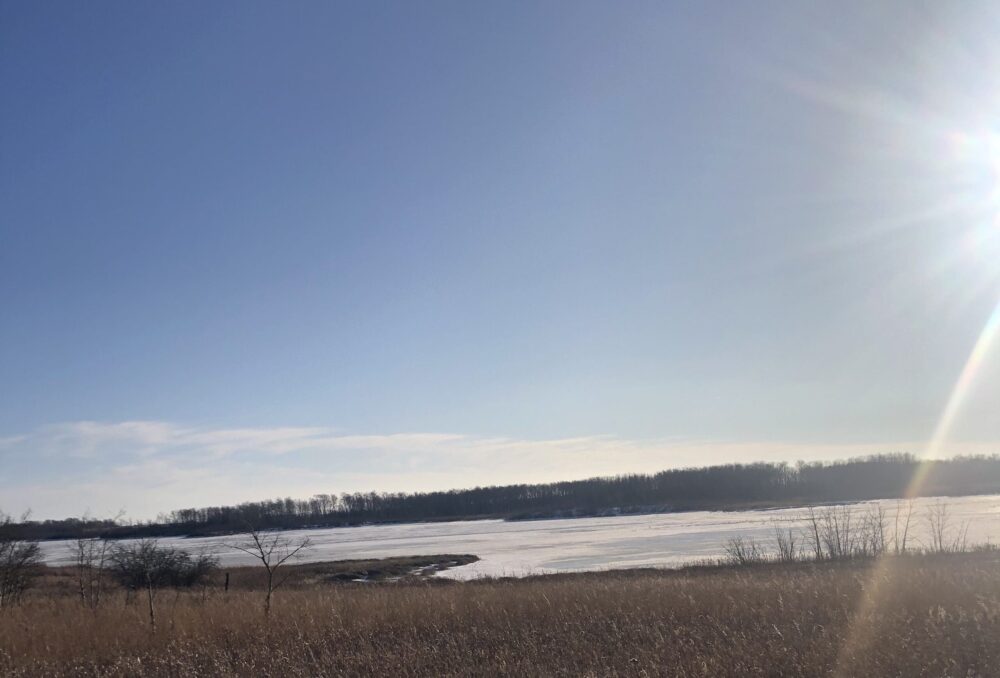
(250, 249)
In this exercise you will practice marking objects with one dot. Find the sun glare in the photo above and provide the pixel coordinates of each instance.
(974, 163)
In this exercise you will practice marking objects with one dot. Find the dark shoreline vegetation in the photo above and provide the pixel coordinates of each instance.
(902, 615)
(728, 487)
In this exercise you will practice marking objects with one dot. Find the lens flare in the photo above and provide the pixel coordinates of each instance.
(959, 395)
(862, 628)
(963, 203)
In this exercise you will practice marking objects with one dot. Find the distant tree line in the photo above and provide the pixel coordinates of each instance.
(713, 487)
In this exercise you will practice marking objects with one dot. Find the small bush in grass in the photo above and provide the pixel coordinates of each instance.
(145, 565)
(20, 561)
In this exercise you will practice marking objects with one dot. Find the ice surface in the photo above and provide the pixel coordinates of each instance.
(576, 544)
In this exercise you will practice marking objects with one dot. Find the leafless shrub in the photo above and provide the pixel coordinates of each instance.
(20, 560)
(91, 557)
(841, 532)
(945, 537)
(145, 565)
(937, 524)
(845, 532)
(901, 526)
(812, 534)
(744, 551)
(838, 532)
(872, 540)
(786, 543)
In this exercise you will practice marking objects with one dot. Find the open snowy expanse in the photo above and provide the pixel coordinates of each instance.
(546, 546)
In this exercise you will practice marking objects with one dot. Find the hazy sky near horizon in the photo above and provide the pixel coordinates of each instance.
(254, 249)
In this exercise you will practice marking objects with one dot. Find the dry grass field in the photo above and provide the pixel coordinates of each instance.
(910, 616)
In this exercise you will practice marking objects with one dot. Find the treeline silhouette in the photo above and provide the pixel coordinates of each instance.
(728, 486)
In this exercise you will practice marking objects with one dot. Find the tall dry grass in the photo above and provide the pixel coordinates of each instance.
(938, 616)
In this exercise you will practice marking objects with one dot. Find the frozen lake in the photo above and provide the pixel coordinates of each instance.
(546, 546)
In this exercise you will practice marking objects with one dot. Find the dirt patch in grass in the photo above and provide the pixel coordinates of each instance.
(404, 569)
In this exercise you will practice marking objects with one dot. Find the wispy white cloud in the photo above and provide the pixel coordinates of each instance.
(146, 467)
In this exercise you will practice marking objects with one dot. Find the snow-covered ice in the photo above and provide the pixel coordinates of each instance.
(576, 544)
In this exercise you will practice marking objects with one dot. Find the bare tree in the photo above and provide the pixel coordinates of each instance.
(813, 534)
(144, 564)
(91, 555)
(939, 525)
(901, 526)
(273, 549)
(786, 543)
(20, 560)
